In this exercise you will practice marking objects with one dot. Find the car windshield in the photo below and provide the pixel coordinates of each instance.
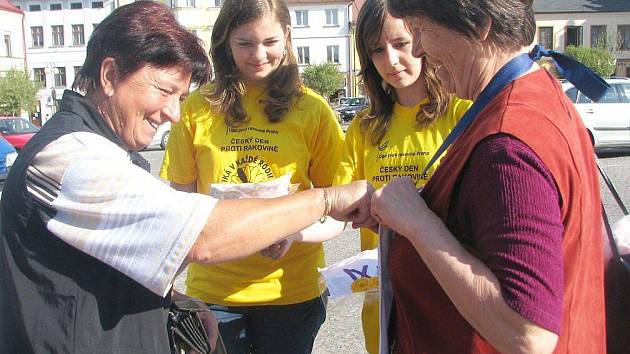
(15, 126)
(356, 101)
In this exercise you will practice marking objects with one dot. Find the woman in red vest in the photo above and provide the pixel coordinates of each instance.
(502, 250)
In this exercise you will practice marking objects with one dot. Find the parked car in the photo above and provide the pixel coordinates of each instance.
(7, 157)
(17, 131)
(608, 119)
(161, 135)
(349, 106)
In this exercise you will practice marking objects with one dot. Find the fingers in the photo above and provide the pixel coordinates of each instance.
(212, 327)
(277, 250)
(271, 251)
(282, 251)
(363, 216)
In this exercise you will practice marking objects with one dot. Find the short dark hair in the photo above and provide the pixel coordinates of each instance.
(513, 22)
(138, 34)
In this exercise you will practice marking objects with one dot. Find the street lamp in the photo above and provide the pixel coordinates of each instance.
(53, 94)
(51, 69)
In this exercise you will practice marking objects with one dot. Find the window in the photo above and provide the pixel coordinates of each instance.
(55, 7)
(39, 75)
(574, 36)
(15, 126)
(76, 5)
(60, 77)
(611, 96)
(545, 37)
(623, 36)
(76, 71)
(332, 53)
(303, 55)
(57, 35)
(583, 99)
(624, 92)
(37, 33)
(77, 35)
(217, 3)
(301, 18)
(7, 45)
(185, 3)
(97, 4)
(572, 93)
(34, 8)
(598, 36)
(332, 17)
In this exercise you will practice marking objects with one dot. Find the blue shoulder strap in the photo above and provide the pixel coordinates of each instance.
(583, 78)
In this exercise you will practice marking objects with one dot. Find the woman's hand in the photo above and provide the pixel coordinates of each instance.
(280, 248)
(212, 328)
(351, 202)
(207, 318)
(399, 206)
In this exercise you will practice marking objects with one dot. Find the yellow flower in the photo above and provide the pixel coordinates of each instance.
(364, 284)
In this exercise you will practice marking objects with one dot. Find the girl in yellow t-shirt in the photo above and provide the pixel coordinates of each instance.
(254, 123)
(410, 114)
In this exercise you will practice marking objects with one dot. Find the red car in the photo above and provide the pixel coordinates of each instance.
(17, 131)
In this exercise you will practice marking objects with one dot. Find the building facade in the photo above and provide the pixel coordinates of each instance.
(12, 49)
(56, 35)
(198, 16)
(605, 23)
(322, 31)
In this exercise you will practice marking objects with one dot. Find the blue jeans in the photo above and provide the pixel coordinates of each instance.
(270, 329)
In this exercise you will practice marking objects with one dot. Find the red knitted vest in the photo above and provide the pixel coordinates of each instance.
(535, 110)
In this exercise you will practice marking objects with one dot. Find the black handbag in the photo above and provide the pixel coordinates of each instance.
(616, 283)
(185, 330)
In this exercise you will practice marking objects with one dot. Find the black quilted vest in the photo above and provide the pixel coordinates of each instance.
(53, 297)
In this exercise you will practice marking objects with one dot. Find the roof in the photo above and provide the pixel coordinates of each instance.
(7, 5)
(564, 6)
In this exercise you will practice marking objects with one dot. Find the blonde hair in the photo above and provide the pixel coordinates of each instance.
(375, 124)
(283, 85)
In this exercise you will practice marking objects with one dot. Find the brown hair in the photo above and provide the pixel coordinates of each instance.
(513, 23)
(375, 124)
(283, 85)
(138, 34)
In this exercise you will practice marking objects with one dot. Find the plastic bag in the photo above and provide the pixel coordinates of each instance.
(278, 187)
(355, 274)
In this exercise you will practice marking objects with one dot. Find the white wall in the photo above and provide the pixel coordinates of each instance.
(11, 25)
(200, 19)
(317, 35)
(68, 55)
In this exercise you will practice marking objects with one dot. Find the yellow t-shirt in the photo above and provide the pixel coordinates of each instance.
(403, 151)
(307, 143)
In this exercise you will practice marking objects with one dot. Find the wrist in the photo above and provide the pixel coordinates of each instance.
(327, 204)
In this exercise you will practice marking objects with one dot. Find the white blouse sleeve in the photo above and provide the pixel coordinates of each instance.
(116, 212)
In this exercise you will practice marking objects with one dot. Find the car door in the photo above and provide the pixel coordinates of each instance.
(624, 109)
(605, 118)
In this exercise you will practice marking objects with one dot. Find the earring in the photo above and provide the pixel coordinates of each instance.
(386, 87)
(284, 52)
